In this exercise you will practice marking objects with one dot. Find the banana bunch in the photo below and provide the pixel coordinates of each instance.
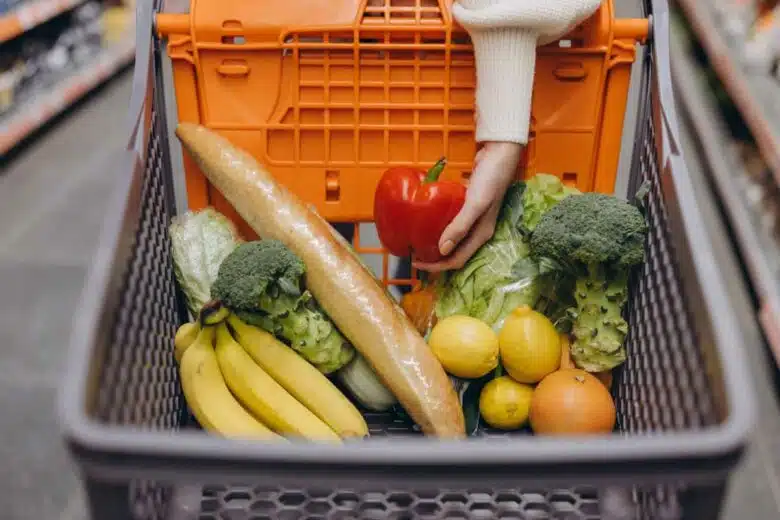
(240, 381)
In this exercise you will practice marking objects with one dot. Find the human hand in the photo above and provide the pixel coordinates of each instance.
(495, 166)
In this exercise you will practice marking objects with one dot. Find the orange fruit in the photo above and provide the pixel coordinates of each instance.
(571, 402)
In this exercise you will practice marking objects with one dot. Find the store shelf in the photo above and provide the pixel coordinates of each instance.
(31, 14)
(756, 96)
(41, 108)
(757, 247)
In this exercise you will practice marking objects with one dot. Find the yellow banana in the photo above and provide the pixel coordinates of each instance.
(208, 397)
(307, 384)
(263, 396)
(185, 336)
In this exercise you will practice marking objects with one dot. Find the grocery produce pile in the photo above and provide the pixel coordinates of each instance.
(294, 337)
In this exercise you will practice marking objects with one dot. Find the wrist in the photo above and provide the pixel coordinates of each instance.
(504, 158)
(509, 149)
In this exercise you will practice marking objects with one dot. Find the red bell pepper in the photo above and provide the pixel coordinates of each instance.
(412, 208)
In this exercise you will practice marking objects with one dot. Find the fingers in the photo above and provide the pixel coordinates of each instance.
(491, 175)
(459, 228)
(478, 200)
(495, 167)
(481, 232)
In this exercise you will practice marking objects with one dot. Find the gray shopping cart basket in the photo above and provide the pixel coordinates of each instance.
(683, 396)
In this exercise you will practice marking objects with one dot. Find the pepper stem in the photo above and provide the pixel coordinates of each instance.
(435, 171)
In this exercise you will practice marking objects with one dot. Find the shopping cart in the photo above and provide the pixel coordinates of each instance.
(683, 396)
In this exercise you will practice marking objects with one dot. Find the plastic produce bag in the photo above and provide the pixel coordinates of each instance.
(499, 277)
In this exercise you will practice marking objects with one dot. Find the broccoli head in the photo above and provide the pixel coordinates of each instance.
(589, 229)
(596, 239)
(256, 271)
(262, 283)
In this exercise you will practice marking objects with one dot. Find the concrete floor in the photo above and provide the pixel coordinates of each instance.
(52, 199)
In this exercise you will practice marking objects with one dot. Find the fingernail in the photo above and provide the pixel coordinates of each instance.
(447, 247)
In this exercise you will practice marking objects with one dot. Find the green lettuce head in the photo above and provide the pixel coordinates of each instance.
(200, 241)
(501, 275)
(543, 191)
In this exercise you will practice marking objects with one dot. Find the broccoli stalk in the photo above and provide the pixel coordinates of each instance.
(598, 326)
(261, 282)
(596, 239)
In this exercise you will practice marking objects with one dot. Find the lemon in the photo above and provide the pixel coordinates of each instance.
(530, 346)
(505, 404)
(465, 346)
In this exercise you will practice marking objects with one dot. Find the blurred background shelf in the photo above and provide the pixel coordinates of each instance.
(755, 93)
(55, 52)
(31, 14)
(39, 109)
(737, 157)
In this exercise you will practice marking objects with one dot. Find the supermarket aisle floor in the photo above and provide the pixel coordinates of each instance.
(52, 198)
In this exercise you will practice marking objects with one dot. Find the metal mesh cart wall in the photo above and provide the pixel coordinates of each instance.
(683, 397)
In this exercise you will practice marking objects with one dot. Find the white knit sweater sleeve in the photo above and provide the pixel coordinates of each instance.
(505, 34)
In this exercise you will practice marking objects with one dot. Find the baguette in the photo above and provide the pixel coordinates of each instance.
(360, 307)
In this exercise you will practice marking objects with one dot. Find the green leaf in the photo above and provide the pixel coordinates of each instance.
(643, 191)
(491, 312)
(501, 275)
(543, 191)
(525, 269)
(200, 241)
(512, 208)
